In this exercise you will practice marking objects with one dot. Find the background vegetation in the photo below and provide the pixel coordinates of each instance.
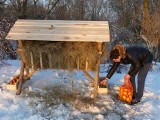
(131, 22)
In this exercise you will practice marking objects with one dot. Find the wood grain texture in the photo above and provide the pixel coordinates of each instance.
(60, 30)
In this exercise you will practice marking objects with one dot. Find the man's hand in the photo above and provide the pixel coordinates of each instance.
(103, 82)
(127, 76)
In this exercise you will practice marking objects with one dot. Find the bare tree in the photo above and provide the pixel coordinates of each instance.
(77, 9)
(20, 7)
(35, 8)
(61, 12)
(6, 48)
(80, 10)
(151, 27)
(127, 25)
(137, 22)
(2, 1)
(95, 9)
(50, 6)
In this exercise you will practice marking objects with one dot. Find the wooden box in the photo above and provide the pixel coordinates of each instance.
(12, 84)
(11, 87)
(102, 89)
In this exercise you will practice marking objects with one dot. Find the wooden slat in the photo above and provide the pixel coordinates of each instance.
(60, 30)
(28, 77)
(41, 60)
(49, 37)
(19, 86)
(89, 76)
(50, 60)
(78, 63)
(59, 22)
(63, 25)
(87, 31)
(66, 33)
(32, 62)
(86, 64)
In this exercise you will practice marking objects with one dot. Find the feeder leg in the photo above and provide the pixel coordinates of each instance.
(41, 61)
(27, 71)
(23, 55)
(97, 69)
(19, 84)
(32, 62)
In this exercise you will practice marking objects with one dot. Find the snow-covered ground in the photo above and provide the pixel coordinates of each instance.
(49, 95)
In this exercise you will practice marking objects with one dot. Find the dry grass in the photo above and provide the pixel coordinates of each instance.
(64, 55)
(56, 95)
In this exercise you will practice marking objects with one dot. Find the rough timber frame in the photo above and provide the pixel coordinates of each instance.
(58, 30)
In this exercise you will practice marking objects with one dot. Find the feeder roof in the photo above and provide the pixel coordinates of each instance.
(60, 30)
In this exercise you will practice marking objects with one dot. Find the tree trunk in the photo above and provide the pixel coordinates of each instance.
(35, 8)
(157, 25)
(146, 16)
(22, 9)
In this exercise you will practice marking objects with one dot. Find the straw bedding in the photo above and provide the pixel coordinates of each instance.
(63, 55)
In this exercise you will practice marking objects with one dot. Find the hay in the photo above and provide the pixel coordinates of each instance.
(64, 55)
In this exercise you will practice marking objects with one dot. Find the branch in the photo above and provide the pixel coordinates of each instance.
(14, 5)
(36, 1)
(2, 2)
(144, 38)
(9, 50)
(53, 6)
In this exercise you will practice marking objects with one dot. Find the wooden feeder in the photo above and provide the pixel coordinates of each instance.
(60, 31)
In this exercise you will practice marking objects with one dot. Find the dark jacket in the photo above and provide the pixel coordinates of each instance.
(136, 56)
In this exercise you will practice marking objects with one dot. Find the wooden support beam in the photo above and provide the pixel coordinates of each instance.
(86, 64)
(32, 62)
(50, 60)
(97, 69)
(30, 74)
(23, 67)
(27, 71)
(78, 63)
(88, 75)
(24, 59)
(20, 82)
(41, 61)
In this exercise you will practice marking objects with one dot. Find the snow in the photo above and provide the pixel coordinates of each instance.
(64, 95)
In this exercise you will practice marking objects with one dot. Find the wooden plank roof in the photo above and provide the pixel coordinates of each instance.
(60, 30)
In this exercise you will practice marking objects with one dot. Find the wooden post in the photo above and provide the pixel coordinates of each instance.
(19, 84)
(23, 64)
(78, 63)
(23, 56)
(41, 61)
(50, 60)
(88, 75)
(32, 62)
(27, 70)
(86, 64)
(97, 69)
(30, 74)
